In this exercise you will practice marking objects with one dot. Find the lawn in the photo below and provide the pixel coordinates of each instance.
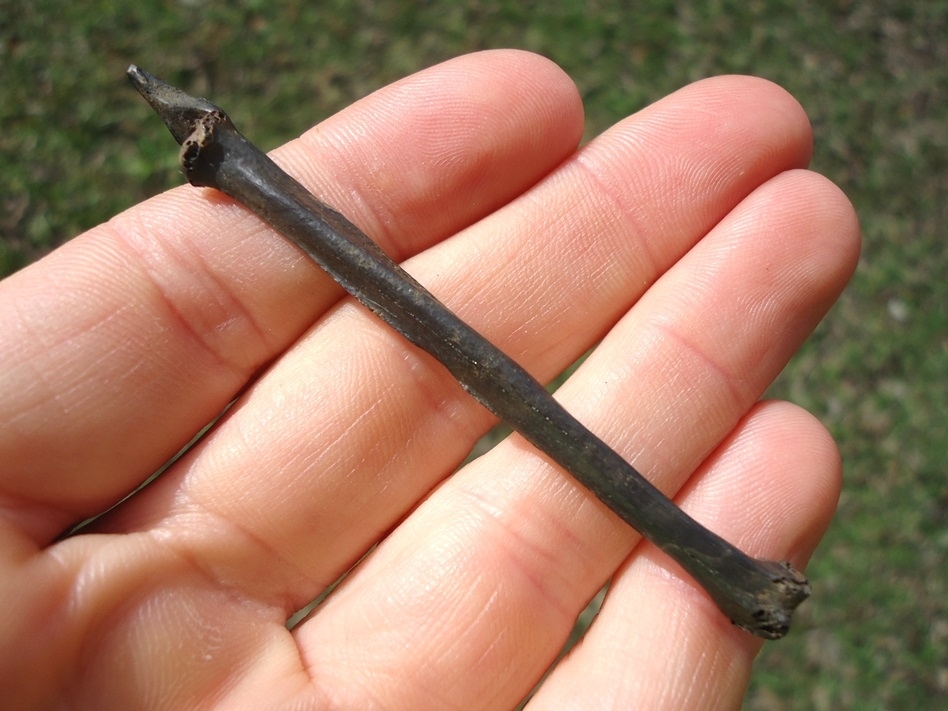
(77, 145)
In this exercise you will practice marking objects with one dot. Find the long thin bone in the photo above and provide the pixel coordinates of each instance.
(757, 595)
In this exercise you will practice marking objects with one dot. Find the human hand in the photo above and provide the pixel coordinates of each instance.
(686, 238)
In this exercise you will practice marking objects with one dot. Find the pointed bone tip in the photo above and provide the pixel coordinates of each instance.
(178, 110)
(144, 82)
(138, 77)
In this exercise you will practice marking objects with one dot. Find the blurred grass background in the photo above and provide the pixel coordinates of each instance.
(77, 145)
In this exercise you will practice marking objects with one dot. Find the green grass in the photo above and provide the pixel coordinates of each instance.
(873, 78)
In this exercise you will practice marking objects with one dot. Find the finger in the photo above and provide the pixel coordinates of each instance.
(120, 346)
(500, 559)
(771, 488)
(353, 426)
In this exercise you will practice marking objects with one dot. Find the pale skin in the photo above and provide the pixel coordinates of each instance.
(689, 239)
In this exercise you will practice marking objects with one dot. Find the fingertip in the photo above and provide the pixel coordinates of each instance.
(434, 152)
(771, 103)
(784, 468)
(810, 217)
(807, 491)
(548, 80)
(540, 70)
(841, 229)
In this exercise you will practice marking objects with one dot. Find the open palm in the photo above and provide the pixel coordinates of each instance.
(688, 239)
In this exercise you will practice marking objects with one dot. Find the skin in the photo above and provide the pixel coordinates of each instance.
(689, 239)
(758, 596)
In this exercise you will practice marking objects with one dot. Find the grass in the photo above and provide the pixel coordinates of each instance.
(873, 78)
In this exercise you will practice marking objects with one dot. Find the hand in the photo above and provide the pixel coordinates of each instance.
(688, 239)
